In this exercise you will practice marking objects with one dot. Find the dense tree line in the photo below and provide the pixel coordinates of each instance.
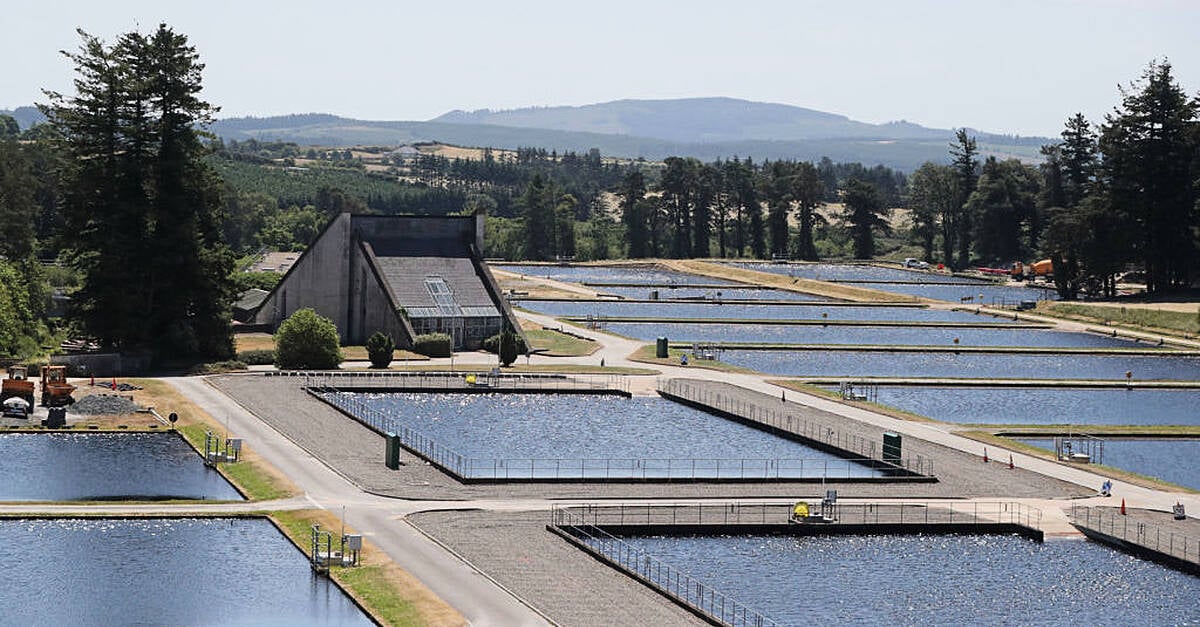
(22, 295)
(1108, 198)
(140, 207)
(727, 208)
(120, 200)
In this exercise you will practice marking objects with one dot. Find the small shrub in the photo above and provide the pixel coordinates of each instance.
(217, 367)
(307, 340)
(380, 349)
(508, 347)
(257, 357)
(432, 345)
(492, 344)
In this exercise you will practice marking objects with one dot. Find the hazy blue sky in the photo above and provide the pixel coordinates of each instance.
(1020, 66)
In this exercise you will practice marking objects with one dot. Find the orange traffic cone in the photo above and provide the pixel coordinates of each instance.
(1010, 462)
(1122, 507)
(985, 459)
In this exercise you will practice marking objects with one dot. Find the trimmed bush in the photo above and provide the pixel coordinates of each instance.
(257, 357)
(380, 349)
(508, 347)
(307, 340)
(217, 367)
(432, 345)
(492, 344)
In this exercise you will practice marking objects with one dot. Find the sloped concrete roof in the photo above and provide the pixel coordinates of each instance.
(407, 278)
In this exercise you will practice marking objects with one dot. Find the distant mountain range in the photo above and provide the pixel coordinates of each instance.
(26, 116)
(697, 120)
(705, 128)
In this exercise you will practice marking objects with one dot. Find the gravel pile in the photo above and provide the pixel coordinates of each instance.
(103, 404)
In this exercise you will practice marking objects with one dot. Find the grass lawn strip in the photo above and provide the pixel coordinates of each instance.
(390, 594)
(1002, 442)
(256, 479)
(1176, 323)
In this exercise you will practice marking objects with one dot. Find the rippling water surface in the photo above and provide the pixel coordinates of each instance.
(85, 572)
(860, 335)
(834, 363)
(1037, 406)
(613, 274)
(102, 466)
(973, 294)
(934, 580)
(1169, 460)
(852, 272)
(748, 311)
(725, 293)
(571, 427)
(909, 282)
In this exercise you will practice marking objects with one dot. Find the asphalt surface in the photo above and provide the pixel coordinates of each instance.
(485, 549)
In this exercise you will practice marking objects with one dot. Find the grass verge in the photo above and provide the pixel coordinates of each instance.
(257, 480)
(987, 437)
(556, 344)
(878, 408)
(779, 281)
(1160, 321)
(646, 354)
(389, 593)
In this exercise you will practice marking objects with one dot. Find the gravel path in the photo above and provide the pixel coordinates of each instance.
(562, 582)
(356, 453)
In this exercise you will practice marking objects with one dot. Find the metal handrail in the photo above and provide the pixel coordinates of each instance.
(451, 380)
(1147, 535)
(606, 468)
(662, 576)
(764, 513)
(864, 448)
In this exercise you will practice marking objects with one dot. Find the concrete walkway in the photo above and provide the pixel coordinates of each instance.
(616, 351)
(485, 599)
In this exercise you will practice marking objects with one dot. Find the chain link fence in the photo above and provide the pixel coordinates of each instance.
(1146, 535)
(856, 446)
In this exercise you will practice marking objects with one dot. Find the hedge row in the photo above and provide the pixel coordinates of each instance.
(432, 345)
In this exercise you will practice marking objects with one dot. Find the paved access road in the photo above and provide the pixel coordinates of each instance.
(484, 601)
(381, 519)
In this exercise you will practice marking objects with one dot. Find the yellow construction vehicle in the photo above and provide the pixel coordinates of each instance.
(56, 392)
(1038, 269)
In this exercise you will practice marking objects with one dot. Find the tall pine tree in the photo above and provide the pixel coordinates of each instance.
(1149, 144)
(141, 207)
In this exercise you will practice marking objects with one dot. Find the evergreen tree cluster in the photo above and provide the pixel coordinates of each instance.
(140, 207)
(738, 208)
(1108, 198)
(122, 202)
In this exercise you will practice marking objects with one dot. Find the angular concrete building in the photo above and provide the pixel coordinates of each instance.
(403, 275)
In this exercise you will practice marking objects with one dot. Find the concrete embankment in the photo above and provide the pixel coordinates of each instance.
(996, 383)
(814, 322)
(896, 348)
(1152, 535)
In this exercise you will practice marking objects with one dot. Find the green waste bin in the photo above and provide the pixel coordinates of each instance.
(392, 456)
(891, 447)
(661, 348)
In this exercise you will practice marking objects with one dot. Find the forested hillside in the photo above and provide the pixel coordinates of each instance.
(107, 185)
